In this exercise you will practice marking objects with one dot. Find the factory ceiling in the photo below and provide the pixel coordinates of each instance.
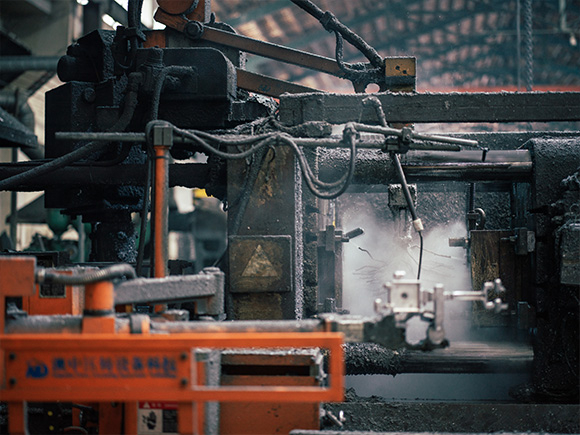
(459, 44)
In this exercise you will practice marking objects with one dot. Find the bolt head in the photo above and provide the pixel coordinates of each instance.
(89, 95)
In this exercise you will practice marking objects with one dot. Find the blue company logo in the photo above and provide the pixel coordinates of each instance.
(36, 369)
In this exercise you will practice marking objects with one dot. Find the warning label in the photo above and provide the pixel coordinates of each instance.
(157, 418)
(260, 265)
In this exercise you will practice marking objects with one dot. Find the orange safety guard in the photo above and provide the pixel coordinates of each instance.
(105, 367)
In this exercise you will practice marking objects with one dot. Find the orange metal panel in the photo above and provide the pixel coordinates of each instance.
(110, 418)
(267, 418)
(70, 303)
(18, 418)
(17, 274)
(98, 325)
(107, 367)
(16, 279)
(275, 418)
(130, 418)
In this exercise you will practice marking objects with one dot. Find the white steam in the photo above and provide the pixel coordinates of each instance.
(371, 260)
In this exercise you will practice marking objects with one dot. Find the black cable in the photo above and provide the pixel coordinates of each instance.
(144, 212)
(134, 8)
(312, 182)
(244, 199)
(331, 23)
(351, 72)
(168, 70)
(60, 162)
(374, 101)
(420, 255)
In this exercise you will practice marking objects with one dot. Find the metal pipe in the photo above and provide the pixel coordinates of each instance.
(99, 298)
(388, 131)
(17, 64)
(17, 104)
(327, 142)
(14, 208)
(308, 325)
(374, 167)
(44, 325)
(161, 210)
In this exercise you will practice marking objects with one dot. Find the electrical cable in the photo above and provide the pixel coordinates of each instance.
(358, 73)
(313, 183)
(420, 255)
(417, 224)
(60, 162)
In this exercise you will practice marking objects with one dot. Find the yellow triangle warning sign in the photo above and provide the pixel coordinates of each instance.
(260, 265)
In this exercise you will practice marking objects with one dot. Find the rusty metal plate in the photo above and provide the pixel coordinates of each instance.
(260, 264)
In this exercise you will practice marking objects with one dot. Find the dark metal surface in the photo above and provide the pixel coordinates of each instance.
(260, 264)
(266, 198)
(459, 357)
(558, 311)
(9, 64)
(431, 107)
(464, 417)
(15, 134)
(376, 167)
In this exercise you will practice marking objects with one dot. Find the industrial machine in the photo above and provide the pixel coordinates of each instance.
(105, 346)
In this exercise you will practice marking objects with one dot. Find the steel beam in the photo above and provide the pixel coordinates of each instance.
(433, 107)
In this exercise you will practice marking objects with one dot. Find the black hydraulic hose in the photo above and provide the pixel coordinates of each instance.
(331, 23)
(53, 165)
(144, 212)
(420, 255)
(79, 153)
(418, 225)
(134, 13)
(107, 274)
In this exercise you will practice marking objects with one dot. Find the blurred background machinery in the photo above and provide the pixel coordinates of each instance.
(257, 177)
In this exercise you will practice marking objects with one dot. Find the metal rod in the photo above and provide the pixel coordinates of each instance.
(161, 210)
(328, 142)
(308, 325)
(387, 131)
(273, 51)
(14, 208)
(9, 64)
